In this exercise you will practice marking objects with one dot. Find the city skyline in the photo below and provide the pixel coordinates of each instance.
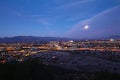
(60, 18)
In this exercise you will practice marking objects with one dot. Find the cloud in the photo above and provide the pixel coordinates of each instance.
(73, 4)
(43, 22)
(103, 24)
(20, 14)
(34, 17)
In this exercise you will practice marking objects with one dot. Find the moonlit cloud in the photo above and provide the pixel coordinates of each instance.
(103, 24)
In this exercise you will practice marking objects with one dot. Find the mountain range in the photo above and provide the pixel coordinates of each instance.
(39, 39)
(31, 39)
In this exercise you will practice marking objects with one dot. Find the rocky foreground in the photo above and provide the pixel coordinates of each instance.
(33, 70)
(78, 62)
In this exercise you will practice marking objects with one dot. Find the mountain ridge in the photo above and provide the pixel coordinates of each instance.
(38, 39)
(31, 39)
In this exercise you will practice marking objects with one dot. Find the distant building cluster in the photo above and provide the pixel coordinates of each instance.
(22, 51)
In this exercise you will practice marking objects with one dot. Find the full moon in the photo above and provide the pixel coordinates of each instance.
(86, 27)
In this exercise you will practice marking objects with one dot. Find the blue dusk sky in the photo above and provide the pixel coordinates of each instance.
(60, 18)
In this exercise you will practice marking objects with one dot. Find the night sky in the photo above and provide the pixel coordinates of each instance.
(60, 18)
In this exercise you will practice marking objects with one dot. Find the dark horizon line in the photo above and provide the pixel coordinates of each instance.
(62, 37)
